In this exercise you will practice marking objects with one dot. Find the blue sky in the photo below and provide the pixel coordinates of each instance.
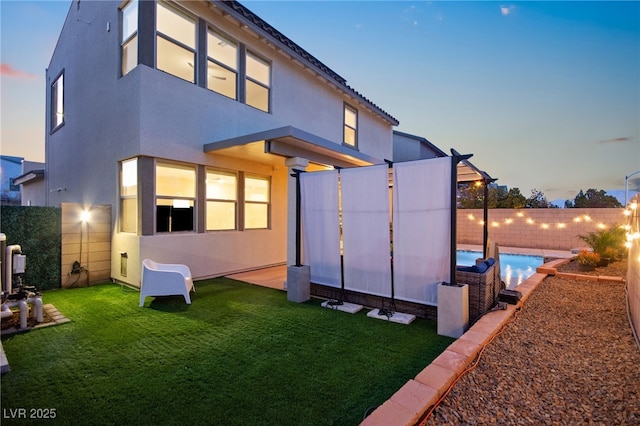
(546, 95)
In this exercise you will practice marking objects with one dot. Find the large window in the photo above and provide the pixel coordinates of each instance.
(222, 65)
(57, 102)
(175, 197)
(175, 42)
(350, 126)
(222, 197)
(258, 82)
(129, 40)
(129, 196)
(257, 196)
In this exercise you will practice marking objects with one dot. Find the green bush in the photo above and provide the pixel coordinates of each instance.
(607, 243)
(37, 231)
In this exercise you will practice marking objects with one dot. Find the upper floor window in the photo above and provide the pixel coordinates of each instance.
(129, 40)
(57, 102)
(350, 126)
(257, 200)
(258, 82)
(175, 42)
(129, 196)
(175, 197)
(222, 65)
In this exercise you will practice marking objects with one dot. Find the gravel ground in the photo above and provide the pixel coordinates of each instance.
(569, 357)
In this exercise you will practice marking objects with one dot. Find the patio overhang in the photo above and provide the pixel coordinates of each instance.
(289, 141)
(29, 177)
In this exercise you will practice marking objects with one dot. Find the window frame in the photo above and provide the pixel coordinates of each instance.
(55, 94)
(160, 35)
(345, 126)
(131, 38)
(235, 201)
(192, 199)
(124, 197)
(249, 79)
(210, 59)
(245, 202)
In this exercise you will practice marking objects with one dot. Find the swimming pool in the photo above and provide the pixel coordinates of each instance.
(514, 268)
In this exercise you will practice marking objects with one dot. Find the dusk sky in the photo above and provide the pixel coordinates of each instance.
(546, 95)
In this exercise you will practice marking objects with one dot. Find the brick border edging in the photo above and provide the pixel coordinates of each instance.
(411, 402)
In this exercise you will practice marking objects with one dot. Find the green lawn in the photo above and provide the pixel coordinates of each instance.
(239, 355)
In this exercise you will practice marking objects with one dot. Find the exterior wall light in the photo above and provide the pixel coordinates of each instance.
(85, 215)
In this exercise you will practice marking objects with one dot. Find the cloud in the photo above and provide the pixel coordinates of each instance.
(9, 71)
(507, 10)
(616, 140)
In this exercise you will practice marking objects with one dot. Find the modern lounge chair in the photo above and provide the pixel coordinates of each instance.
(165, 279)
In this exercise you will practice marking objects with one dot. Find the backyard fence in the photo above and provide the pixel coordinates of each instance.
(536, 228)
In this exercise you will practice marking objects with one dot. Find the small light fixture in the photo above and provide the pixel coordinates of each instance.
(85, 215)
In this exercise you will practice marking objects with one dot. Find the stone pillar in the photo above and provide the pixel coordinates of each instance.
(453, 309)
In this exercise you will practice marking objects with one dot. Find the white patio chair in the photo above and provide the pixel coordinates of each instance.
(165, 279)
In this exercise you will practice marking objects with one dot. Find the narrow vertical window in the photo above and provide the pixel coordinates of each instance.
(175, 197)
(222, 65)
(257, 200)
(57, 102)
(129, 40)
(129, 196)
(222, 197)
(175, 42)
(350, 126)
(258, 82)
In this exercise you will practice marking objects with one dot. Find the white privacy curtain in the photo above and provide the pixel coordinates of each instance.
(365, 229)
(321, 227)
(421, 228)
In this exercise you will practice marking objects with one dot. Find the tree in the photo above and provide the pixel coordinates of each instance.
(537, 200)
(594, 198)
(471, 196)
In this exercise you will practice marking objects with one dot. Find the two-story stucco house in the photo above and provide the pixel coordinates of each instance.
(188, 117)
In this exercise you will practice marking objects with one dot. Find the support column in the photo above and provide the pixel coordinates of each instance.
(292, 163)
(298, 283)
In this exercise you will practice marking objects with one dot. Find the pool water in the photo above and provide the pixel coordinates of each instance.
(514, 268)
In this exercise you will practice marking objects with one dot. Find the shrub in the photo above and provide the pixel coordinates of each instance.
(607, 243)
(588, 258)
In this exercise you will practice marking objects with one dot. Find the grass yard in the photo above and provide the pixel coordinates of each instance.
(239, 355)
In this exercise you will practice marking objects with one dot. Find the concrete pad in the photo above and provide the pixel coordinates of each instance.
(436, 377)
(416, 396)
(397, 317)
(351, 308)
(390, 414)
(466, 348)
(452, 361)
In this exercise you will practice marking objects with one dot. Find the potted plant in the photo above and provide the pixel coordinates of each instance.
(588, 260)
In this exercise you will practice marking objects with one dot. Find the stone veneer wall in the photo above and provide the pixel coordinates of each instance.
(536, 228)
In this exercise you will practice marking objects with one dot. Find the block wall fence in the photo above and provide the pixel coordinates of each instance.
(536, 228)
(88, 243)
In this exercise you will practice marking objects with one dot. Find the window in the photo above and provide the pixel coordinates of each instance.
(258, 80)
(129, 196)
(129, 41)
(222, 65)
(350, 126)
(175, 197)
(57, 102)
(257, 196)
(175, 42)
(222, 196)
